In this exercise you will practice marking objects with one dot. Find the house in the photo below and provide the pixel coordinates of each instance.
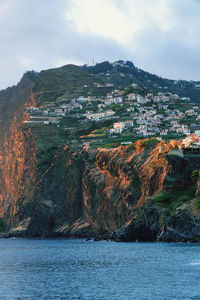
(100, 106)
(117, 100)
(130, 109)
(77, 106)
(126, 143)
(82, 99)
(99, 115)
(116, 130)
(164, 132)
(59, 112)
(109, 100)
(91, 98)
(129, 123)
(119, 125)
(109, 113)
(186, 131)
(131, 96)
(95, 116)
(143, 128)
(53, 114)
(45, 112)
(197, 132)
(153, 112)
(192, 140)
(190, 112)
(184, 126)
(64, 105)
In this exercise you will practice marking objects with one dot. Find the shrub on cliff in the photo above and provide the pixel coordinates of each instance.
(173, 198)
(130, 148)
(2, 228)
(146, 144)
(195, 175)
(197, 204)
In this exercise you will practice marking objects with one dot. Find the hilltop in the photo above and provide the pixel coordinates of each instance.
(124, 73)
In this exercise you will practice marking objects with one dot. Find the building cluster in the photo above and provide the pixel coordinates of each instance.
(159, 115)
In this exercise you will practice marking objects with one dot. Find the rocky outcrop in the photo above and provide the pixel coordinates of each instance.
(150, 224)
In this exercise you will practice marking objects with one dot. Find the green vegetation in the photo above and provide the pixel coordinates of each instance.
(68, 80)
(2, 226)
(110, 145)
(112, 142)
(32, 75)
(171, 199)
(45, 153)
(118, 108)
(148, 143)
(188, 121)
(130, 148)
(99, 68)
(173, 136)
(98, 131)
(197, 204)
(136, 185)
(195, 175)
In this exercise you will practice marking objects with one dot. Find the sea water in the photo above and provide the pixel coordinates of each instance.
(87, 270)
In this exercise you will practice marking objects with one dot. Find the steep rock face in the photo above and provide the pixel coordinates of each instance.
(17, 153)
(17, 174)
(58, 195)
(12, 101)
(87, 192)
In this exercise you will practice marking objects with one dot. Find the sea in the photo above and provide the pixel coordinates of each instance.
(88, 270)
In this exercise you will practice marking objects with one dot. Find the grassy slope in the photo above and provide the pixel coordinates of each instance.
(68, 80)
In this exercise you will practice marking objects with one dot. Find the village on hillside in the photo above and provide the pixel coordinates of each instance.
(122, 117)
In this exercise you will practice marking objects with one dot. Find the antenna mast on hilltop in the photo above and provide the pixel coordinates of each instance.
(93, 61)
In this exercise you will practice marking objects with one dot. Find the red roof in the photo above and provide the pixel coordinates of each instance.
(193, 138)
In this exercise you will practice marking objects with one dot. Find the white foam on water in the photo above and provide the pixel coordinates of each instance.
(195, 263)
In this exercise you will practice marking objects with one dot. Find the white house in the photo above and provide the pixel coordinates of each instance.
(143, 128)
(82, 99)
(197, 132)
(117, 100)
(116, 130)
(129, 123)
(186, 131)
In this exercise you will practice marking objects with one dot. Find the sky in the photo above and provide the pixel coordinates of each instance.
(159, 36)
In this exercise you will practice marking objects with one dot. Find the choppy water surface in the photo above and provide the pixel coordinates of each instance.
(77, 269)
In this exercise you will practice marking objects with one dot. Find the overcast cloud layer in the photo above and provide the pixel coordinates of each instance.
(159, 36)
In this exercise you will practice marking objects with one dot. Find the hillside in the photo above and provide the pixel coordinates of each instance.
(68, 81)
(124, 73)
(77, 161)
(12, 100)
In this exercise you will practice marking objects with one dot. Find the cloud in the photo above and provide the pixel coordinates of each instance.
(160, 36)
(101, 17)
